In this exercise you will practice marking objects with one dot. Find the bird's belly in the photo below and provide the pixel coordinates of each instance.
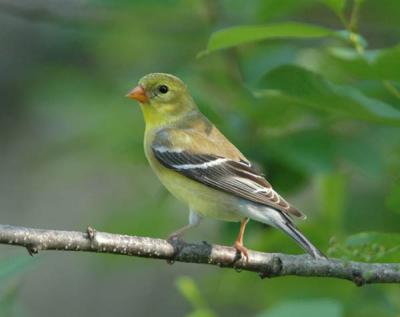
(205, 200)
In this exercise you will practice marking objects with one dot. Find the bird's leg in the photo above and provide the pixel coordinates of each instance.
(194, 221)
(173, 238)
(239, 240)
(180, 232)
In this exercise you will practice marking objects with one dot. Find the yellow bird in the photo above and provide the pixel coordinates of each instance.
(200, 167)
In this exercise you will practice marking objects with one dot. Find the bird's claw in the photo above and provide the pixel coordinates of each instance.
(176, 241)
(241, 251)
(173, 238)
(206, 243)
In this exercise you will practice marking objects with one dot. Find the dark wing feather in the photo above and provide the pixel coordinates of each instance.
(235, 177)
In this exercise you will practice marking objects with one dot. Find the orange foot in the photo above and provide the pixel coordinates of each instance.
(242, 250)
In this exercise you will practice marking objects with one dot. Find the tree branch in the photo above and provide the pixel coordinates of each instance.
(265, 264)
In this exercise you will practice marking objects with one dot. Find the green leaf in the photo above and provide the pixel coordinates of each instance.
(386, 63)
(306, 150)
(374, 64)
(239, 35)
(322, 151)
(305, 308)
(298, 86)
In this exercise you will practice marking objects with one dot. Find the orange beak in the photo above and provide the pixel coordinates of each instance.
(138, 94)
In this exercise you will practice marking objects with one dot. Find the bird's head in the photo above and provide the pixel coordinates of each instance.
(163, 98)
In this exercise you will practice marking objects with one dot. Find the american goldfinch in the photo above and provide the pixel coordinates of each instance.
(200, 167)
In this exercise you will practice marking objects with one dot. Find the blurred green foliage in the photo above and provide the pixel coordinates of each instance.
(190, 291)
(310, 308)
(10, 271)
(308, 90)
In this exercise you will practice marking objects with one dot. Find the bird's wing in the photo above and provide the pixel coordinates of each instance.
(212, 160)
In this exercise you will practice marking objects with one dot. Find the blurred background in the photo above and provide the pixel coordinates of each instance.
(316, 105)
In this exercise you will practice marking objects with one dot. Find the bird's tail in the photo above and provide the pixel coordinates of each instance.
(296, 235)
(281, 221)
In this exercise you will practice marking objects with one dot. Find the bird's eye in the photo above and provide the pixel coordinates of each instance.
(163, 89)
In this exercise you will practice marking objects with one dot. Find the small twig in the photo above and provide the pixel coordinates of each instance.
(265, 264)
(355, 12)
(391, 88)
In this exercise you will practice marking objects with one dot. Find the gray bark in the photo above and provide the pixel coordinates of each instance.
(265, 264)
